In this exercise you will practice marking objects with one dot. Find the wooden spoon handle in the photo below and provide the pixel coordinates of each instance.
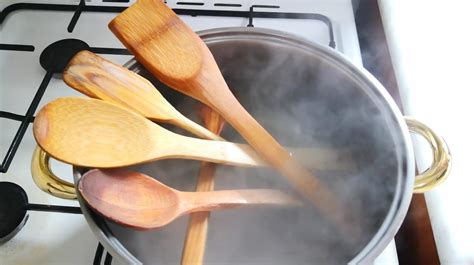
(224, 199)
(243, 155)
(196, 129)
(196, 236)
(219, 152)
(298, 176)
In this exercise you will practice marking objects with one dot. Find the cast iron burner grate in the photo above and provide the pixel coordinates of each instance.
(14, 206)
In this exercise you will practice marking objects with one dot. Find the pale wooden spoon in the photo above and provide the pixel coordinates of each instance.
(141, 202)
(93, 133)
(172, 52)
(97, 77)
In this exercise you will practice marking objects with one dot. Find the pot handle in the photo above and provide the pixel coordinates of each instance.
(46, 180)
(441, 165)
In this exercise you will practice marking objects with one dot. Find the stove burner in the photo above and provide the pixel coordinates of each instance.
(57, 55)
(13, 214)
(13, 207)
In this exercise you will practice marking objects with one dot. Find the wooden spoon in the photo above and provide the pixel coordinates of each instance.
(94, 133)
(141, 202)
(196, 235)
(97, 77)
(172, 52)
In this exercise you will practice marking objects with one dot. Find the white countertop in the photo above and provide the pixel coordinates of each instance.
(431, 45)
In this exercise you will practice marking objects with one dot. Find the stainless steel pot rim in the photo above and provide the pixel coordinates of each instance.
(401, 200)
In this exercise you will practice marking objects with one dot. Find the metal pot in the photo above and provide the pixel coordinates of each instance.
(305, 95)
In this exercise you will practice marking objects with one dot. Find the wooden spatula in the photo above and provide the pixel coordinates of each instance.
(172, 52)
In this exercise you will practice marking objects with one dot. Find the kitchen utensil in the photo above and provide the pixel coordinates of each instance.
(306, 95)
(99, 78)
(104, 135)
(141, 202)
(196, 235)
(14, 206)
(171, 51)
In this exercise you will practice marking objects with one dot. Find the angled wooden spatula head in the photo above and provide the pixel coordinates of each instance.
(169, 49)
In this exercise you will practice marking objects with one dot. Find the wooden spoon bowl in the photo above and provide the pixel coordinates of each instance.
(129, 198)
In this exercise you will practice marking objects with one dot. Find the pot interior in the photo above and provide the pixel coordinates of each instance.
(305, 97)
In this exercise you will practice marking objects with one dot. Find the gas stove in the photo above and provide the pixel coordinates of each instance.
(36, 38)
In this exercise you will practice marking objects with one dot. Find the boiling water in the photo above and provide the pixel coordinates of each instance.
(303, 100)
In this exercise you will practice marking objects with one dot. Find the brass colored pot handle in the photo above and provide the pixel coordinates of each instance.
(441, 165)
(46, 180)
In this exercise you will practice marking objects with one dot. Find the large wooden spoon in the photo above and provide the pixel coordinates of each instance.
(141, 202)
(172, 52)
(94, 133)
(97, 77)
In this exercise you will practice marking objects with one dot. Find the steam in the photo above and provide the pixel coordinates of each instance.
(304, 102)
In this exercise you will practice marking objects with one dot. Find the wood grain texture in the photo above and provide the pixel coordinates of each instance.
(172, 52)
(196, 235)
(94, 133)
(99, 78)
(139, 201)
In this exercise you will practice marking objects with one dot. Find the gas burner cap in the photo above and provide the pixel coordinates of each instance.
(13, 216)
(57, 55)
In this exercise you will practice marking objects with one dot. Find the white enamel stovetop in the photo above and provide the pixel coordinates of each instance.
(51, 238)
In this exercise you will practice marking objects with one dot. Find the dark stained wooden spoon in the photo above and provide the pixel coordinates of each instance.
(141, 202)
